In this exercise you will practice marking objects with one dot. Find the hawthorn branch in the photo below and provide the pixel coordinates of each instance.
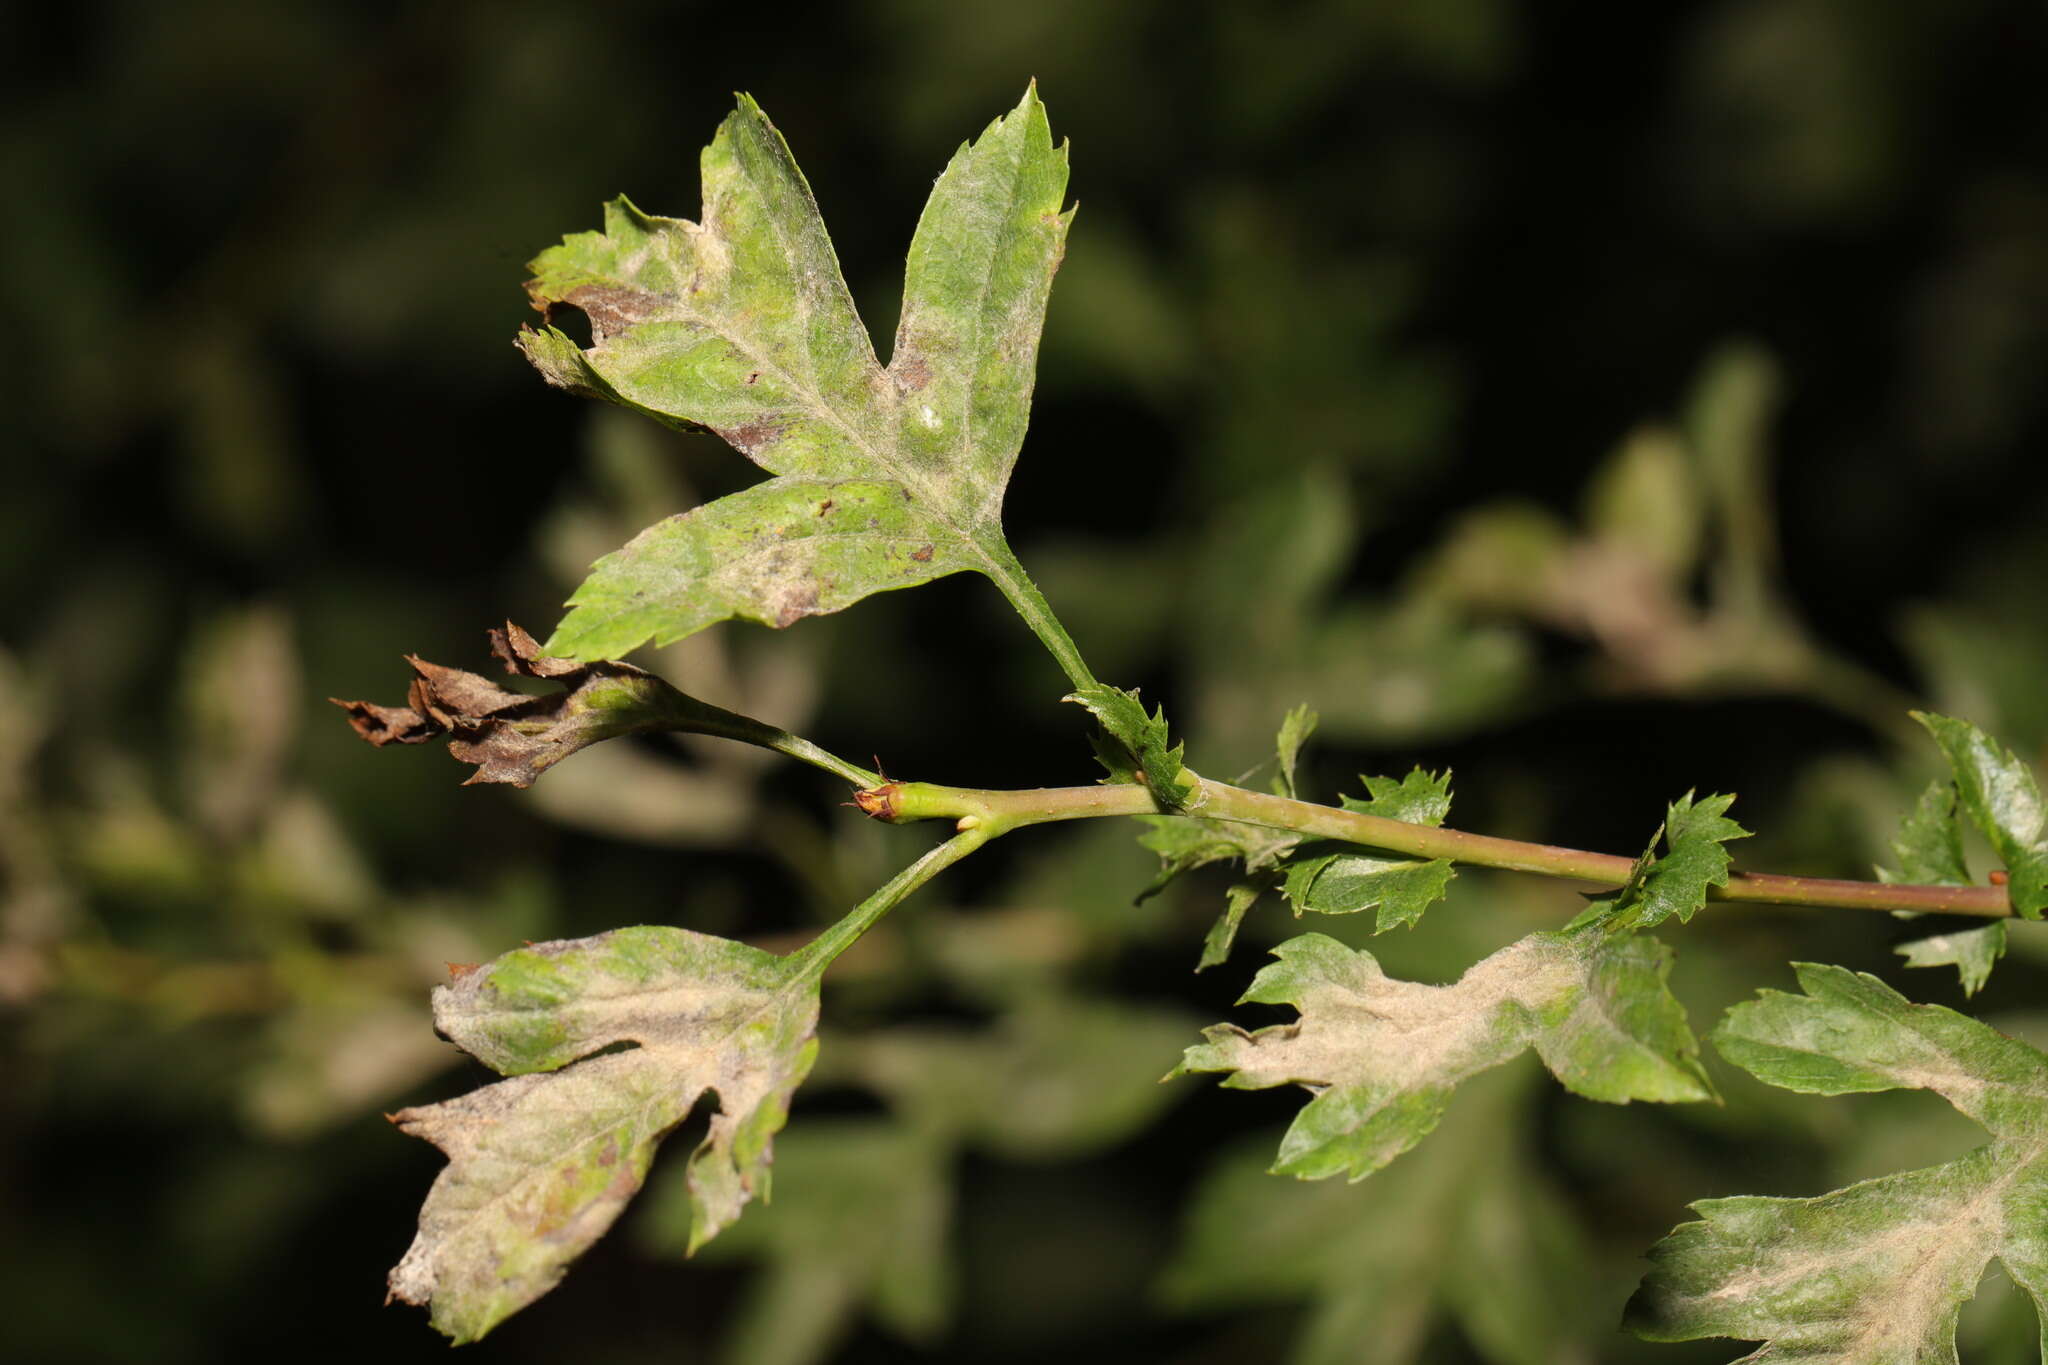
(1001, 811)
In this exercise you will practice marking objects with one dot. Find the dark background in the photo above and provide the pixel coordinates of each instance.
(1345, 278)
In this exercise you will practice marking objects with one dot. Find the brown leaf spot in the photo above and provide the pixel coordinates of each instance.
(922, 555)
(752, 437)
(799, 601)
(911, 370)
(613, 310)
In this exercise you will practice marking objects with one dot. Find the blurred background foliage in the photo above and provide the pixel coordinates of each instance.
(1599, 399)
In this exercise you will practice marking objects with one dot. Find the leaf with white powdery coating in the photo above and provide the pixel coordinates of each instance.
(1382, 1056)
(1879, 1271)
(2002, 798)
(742, 323)
(541, 1164)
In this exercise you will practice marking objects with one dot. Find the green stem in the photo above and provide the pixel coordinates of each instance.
(1001, 811)
(1004, 570)
(686, 714)
(819, 952)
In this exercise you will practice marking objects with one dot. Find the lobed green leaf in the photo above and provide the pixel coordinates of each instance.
(1382, 1056)
(541, 1164)
(1675, 883)
(1879, 1271)
(742, 324)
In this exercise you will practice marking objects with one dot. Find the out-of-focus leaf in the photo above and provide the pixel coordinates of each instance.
(858, 1222)
(1382, 674)
(1381, 1057)
(1646, 498)
(1058, 1076)
(1878, 1271)
(1471, 1228)
(2002, 798)
(540, 1164)
(742, 323)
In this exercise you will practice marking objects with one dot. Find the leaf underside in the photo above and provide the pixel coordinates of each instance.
(539, 1165)
(741, 323)
(1879, 1271)
(1382, 1057)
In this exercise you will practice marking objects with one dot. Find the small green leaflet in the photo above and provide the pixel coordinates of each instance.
(1471, 1229)
(1401, 889)
(1676, 883)
(1382, 1056)
(1421, 798)
(539, 1165)
(1295, 730)
(1879, 1271)
(859, 1220)
(1222, 935)
(1930, 853)
(1186, 843)
(1972, 952)
(1138, 752)
(1998, 792)
(1930, 842)
(741, 323)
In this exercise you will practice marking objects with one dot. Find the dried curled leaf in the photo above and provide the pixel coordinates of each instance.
(513, 737)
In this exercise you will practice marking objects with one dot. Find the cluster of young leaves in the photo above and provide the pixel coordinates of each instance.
(1319, 876)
